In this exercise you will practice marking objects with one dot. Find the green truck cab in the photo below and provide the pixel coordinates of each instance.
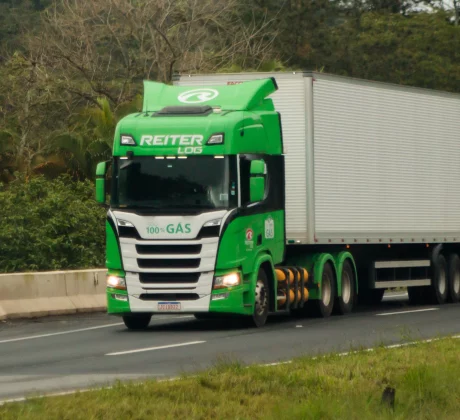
(196, 217)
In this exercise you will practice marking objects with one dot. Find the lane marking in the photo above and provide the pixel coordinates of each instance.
(407, 312)
(169, 346)
(392, 296)
(277, 363)
(33, 337)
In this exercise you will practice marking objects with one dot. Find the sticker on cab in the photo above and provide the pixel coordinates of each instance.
(269, 228)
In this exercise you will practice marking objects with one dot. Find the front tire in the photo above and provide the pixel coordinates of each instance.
(261, 301)
(137, 322)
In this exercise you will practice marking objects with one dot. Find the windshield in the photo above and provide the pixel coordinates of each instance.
(195, 183)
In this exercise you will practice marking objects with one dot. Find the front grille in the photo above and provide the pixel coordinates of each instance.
(168, 249)
(168, 263)
(153, 278)
(169, 297)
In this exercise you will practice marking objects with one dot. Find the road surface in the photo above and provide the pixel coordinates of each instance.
(59, 354)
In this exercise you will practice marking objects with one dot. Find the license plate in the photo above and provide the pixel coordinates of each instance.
(168, 306)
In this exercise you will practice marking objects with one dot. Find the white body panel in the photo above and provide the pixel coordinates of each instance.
(385, 159)
(141, 294)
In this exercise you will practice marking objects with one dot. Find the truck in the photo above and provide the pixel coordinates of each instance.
(251, 194)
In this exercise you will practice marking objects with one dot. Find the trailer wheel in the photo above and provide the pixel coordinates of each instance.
(454, 278)
(344, 303)
(439, 282)
(262, 300)
(323, 307)
(137, 322)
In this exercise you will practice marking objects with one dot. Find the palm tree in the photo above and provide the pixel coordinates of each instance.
(92, 137)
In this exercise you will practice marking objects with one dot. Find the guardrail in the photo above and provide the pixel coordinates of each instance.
(30, 295)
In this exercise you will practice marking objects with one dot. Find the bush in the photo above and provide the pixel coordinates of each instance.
(50, 225)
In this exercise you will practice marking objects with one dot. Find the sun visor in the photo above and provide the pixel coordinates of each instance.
(238, 97)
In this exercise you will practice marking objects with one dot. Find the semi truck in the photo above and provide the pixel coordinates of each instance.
(251, 194)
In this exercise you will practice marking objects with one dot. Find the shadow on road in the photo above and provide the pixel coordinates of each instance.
(238, 324)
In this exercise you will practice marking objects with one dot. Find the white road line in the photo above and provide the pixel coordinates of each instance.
(408, 312)
(169, 346)
(392, 296)
(391, 346)
(33, 337)
(277, 363)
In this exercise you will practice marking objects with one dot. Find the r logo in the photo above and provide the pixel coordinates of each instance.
(197, 96)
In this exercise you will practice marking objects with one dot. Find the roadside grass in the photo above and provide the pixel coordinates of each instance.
(425, 376)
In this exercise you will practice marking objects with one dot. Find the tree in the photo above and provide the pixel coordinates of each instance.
(399, 49)
(106, 48)
(31, 115)
(91, 138)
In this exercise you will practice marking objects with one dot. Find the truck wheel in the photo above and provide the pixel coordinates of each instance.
(344, 303)
(262, 300)
(439, 283)
(454, 278)
(137, 322)
(323, 307)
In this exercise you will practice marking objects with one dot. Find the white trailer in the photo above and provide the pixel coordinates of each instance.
(366, 162)
(374, 166)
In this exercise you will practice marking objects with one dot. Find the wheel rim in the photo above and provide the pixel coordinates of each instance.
(456, 282)
(261, 297)
(442, 281)
(346, 287)
(327, 290)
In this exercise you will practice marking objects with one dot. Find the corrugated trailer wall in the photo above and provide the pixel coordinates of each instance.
(387, 162)
(386, 158)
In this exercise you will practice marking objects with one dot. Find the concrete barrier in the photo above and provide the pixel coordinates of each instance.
(29, 295)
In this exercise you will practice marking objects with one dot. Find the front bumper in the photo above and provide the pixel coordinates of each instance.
(231, 301)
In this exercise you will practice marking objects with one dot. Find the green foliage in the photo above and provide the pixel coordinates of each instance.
(69, 70)
(50, 225)
(398, 49)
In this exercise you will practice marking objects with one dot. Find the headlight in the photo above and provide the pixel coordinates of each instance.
(229, 280)
(116, 282)
(211, 223)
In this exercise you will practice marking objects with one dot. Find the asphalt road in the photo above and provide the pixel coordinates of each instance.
(65, 353)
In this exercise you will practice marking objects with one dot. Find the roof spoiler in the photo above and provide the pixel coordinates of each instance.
(238, 97)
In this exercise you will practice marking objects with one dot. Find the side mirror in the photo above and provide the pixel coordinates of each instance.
(257, 181)
(101, 171)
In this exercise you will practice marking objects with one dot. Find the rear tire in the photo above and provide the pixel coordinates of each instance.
(261, 301)
(323, 307)
(137, 322)
(344, 303)
(454, 278)
(439, 282)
